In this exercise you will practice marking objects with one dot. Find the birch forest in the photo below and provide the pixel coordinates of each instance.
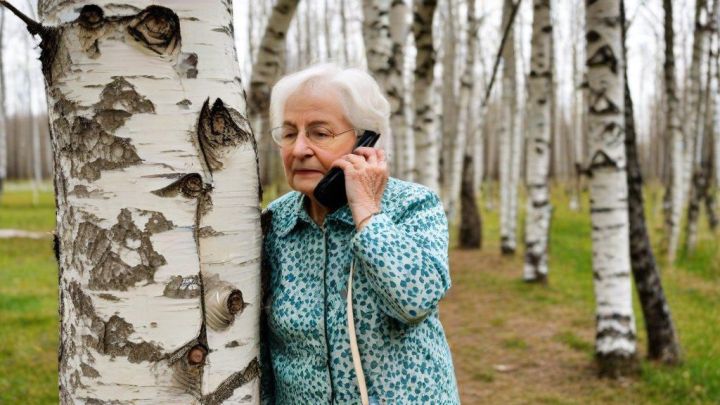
(574, 146)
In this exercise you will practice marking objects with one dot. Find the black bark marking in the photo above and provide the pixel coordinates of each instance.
(88, 371)
(91, 16)
(189, 186)
(110, 337)
(601, 104)
(118, 101)
(236, 380)
(95, 150)
(187, 65)
(184, 103)
(601, 160)
(604, 57)
(208, 232)
(101, 248)
(157, 28)
(183, 287)
(157, 223)
(108, 297)
(219, 129)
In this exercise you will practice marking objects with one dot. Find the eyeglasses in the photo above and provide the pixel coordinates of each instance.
(318, 135)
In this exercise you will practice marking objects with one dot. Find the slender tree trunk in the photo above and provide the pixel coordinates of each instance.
(403, 142)
(454, 116)
(345, 33)
(158, 234)
(376, 35)
(539, 208)
(615, 346)
(701, 169)
(3, 129)
(425, 126)
(268, 67)
(673, 132)
(470, 219)
(693, 106)
(579, 108)
(507, 138)
(662, 340)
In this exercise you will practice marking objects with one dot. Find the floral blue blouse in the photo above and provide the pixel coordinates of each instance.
(401, 273)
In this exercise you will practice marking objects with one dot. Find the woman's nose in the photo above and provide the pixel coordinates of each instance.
(301, 147)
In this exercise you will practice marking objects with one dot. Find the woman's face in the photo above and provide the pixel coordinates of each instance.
(305, 164)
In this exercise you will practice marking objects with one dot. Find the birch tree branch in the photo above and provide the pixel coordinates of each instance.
(33, 26)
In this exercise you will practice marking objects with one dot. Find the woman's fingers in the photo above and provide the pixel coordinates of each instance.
(357, 161)
(370, 154)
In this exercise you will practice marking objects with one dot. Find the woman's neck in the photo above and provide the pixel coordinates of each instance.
(316, 211)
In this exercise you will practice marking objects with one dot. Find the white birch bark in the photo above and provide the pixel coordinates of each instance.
(674, 135)
(615, 344)
(692, 107)
(376, 35)
(465, 138)
(425, 125)
(378, 53)
(157, 203)
(453, 141)
(403, 141)
(268, 67)
(539, 208)
(507, 138)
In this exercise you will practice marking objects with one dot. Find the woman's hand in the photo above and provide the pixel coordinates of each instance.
(366, 174)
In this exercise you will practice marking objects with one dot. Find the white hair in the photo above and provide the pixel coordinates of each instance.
(361, 97)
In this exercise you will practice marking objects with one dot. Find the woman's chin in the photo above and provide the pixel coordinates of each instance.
(306, 184)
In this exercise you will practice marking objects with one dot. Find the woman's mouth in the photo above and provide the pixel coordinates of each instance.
(306, 171)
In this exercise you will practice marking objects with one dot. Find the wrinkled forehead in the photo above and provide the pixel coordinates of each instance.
(314, 100)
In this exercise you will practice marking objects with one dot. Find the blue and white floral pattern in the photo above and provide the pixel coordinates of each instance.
(400, 276)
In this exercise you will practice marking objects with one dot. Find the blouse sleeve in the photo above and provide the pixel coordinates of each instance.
(406, 260)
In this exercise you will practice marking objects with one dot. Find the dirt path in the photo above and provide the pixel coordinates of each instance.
(515, 344)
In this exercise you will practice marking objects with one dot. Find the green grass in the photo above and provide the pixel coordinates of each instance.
(29, 320)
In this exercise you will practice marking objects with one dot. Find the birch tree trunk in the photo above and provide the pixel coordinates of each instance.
(454, 116)
(3, 129)
(539, 208)
(507, 137)
(378, 51)
(424, 125)
(615, 346)
(701, 154)
(673, 132)
(662, 340)
(403, 142)
(268, 68)
(693, 105)
(158, 230)
(470, 218)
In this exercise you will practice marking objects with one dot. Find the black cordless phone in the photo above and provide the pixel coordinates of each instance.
(330, 192)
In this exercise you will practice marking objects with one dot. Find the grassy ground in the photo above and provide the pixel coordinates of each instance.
(512, 343)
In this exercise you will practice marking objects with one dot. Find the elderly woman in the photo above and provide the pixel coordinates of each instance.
(386, 249)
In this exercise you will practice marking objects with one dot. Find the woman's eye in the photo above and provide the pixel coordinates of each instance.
(289, 135)
(321, 133)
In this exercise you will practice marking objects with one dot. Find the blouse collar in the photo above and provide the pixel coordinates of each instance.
(296, 212)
